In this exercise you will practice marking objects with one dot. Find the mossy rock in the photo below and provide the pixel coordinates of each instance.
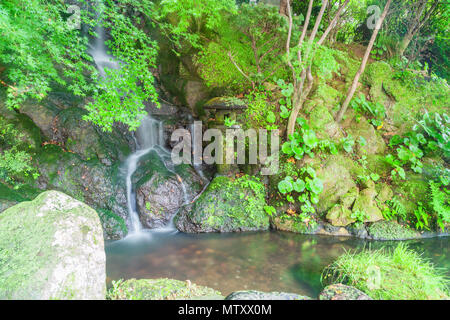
(258, 295)
(374, 142)
(377, 164)
(385, 192)
(88, 141)
(337, 181)
(375, 75)
(412, 190)
(391, 230)
(160, 289)
(291, 224)
(340, 216)
(365, 202)
(342, 292)
(91, 182)
(227, 205)
(51, 248)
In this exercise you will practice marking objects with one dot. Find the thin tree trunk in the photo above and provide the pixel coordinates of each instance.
(283, 7)
(404, 43)
(306, 73)
(417, 24)
(333, 22)
(352, 89)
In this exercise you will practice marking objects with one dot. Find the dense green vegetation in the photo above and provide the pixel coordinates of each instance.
(356, 90)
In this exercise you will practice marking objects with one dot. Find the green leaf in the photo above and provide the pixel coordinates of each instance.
(299, 185)
(271, 118)
(310, 138)
(316, 186)
(285, 113)
(285, 186)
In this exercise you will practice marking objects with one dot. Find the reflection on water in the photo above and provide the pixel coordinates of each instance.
(267, 261)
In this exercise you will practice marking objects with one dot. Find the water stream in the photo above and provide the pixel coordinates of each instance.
(268, 261)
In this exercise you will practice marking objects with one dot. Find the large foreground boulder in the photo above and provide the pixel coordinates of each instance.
(51, 248)
(160, 289)
(227, 205)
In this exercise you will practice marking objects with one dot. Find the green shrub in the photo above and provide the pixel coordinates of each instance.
(389, 274)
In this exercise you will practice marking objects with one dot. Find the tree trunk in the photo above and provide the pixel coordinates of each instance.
(352, 89)
(417, 23)
(404, 43)
(283, 7)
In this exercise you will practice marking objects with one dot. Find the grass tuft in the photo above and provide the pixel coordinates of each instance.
(389, 274)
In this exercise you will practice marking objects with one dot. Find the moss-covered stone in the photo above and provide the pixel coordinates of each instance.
(365, 203)
(91, 182)
(292, 224)
(258, 295)
(227, 205)
(342, 292)
(411, 191)
(385, 192)
(374, 142)
(160, 289)
(391, 230)
(340, 216)
(337, 181)
(51, 248)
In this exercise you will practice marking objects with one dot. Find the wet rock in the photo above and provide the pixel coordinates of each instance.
(160, 192)
(258, 295)
(91, 182)
(342, 292)
(161, 289)
(227, 205)
(52, 248)
(293, 225)
(158, 199)
(331, 230)
(88, 141)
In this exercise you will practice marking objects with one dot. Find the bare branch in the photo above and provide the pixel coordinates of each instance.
(240, 70)
(333, 22)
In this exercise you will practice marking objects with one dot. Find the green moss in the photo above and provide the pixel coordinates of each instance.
(112, 223)
(406, 100)
(294, 224)
(391, 230)
(159, 289)
(27, 253)
(229, 205)
(389, 274)
(412, 191)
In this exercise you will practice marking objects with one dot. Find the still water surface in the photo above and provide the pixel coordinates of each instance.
(266, 261)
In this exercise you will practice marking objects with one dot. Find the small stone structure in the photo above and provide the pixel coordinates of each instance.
(217, 111)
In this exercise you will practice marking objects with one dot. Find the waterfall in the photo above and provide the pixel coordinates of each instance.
(148, 137)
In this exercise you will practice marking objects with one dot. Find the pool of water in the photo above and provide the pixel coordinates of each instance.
(266, 261)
